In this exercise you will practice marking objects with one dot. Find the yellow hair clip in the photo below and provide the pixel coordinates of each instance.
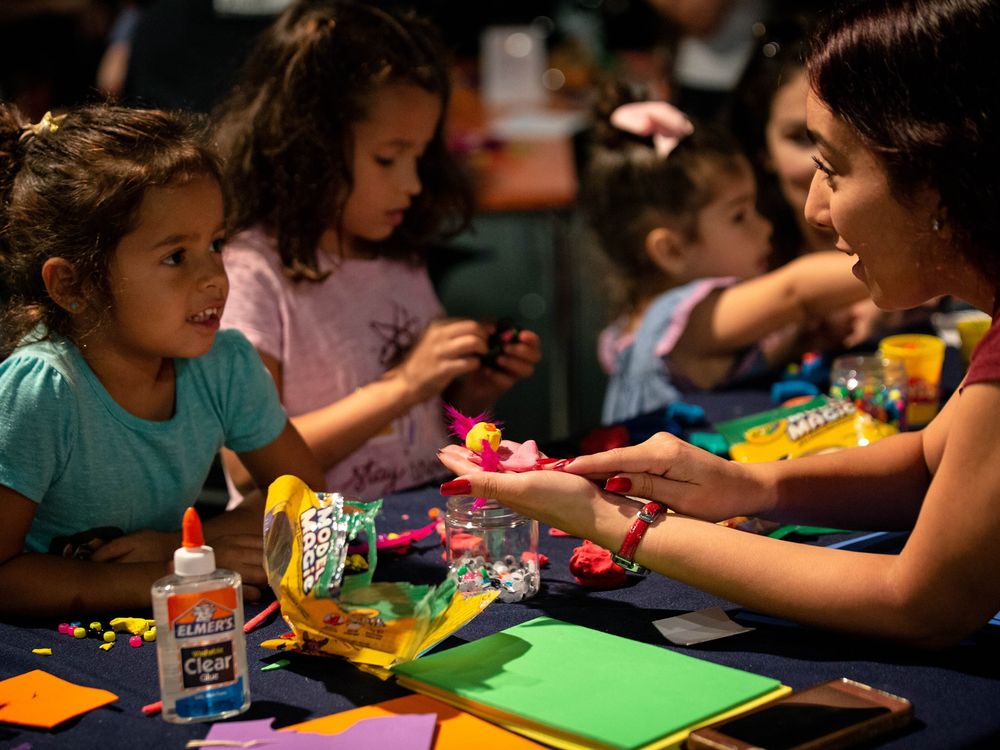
(48, 124)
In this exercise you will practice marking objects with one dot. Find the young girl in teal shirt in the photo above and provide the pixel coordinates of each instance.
(117, 390)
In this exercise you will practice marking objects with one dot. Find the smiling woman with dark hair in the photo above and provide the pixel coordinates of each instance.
(903, 111)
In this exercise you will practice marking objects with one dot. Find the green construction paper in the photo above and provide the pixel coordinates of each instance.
(588, 684)
(783, 531)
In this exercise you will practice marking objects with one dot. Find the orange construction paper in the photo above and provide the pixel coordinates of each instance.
(40, 699)
(456, 729)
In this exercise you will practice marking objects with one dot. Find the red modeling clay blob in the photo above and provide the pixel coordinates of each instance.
(593, 567)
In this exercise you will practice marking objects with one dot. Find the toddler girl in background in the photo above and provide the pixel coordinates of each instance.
(673, 206)
(338, 180)
(116, 392)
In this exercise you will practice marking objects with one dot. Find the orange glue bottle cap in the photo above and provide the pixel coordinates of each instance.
(193, 557)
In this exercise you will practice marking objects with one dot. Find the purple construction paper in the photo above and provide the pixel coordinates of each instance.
(404, 732)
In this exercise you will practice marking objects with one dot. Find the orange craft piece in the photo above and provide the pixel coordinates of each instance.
(40, 699)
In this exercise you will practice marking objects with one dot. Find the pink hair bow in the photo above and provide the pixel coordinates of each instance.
(667, 124)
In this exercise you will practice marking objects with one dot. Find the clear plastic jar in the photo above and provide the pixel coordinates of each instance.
(875, 384)
(492, 546)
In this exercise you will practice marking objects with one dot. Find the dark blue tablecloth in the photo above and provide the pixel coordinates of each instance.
(956, 692)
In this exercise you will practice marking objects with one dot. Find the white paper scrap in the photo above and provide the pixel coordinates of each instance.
(697, 627)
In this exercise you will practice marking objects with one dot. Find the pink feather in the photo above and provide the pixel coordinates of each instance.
(459, 424)
(489, 458)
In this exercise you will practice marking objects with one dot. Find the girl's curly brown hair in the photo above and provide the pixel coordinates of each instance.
(286, 130)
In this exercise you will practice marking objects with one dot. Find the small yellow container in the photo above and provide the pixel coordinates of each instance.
(922, 356)
(971, 329)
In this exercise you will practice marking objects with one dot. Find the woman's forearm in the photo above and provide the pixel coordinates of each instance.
(850, 591)
(879, 486)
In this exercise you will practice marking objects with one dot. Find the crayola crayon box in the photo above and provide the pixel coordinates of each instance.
(820, 425)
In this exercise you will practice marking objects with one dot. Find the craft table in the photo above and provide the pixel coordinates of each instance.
(956, 693)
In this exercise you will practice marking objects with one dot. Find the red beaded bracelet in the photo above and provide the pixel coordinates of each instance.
(646, 515)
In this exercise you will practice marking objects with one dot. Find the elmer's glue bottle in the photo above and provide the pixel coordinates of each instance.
(200, 649)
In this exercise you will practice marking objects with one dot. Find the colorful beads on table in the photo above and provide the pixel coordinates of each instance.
(143, 631)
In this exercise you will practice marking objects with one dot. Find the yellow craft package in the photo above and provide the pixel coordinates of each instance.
(334, 611)
(821, 425)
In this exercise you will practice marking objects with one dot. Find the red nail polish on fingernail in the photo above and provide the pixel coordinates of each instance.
(560, 465)
(546, 462)
(456, 487)
(621, 485)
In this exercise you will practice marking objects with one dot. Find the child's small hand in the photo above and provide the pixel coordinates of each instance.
(481, 388)
(243, 553)
(141, 546)
(518, 355)
(448, 348)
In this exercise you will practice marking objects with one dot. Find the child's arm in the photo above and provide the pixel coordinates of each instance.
(286, 454)
(745, 313)
(38, 584)
(447, 349)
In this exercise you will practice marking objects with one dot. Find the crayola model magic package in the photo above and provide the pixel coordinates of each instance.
(821, 425)
(333, 611)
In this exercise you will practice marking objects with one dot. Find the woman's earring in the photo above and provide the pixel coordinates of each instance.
(936, 225)
(74, 306)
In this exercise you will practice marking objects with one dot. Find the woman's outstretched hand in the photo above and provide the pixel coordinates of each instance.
(571, 503)
(589, 496)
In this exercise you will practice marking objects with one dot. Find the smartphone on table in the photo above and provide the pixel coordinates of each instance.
(835, 714)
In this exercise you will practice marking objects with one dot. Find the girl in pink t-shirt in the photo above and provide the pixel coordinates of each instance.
(337, 179)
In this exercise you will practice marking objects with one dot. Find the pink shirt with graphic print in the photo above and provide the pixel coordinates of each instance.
(335, 336)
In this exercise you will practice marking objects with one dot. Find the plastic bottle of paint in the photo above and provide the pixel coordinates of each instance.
(200, 649)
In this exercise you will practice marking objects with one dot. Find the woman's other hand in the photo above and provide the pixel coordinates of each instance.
(684, 478)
